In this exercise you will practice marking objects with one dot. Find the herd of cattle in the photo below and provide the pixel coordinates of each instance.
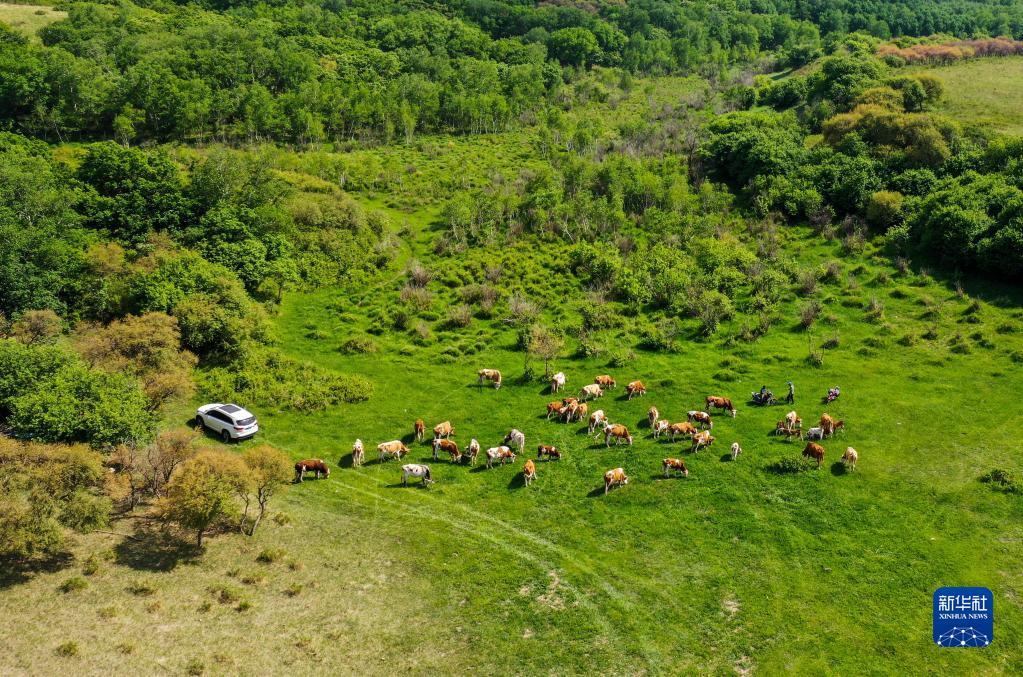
(696, 428)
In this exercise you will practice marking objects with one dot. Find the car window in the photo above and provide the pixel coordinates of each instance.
(246, 421)
(220, 417)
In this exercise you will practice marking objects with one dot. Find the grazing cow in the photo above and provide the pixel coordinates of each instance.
(635, 388)
(652, 415)
(569, 400)
(617, 431)
(568, 411)
(814, 451)
(443, 429)
(597, 420)
(702, 439)
(828, 425)
(313, 465)
(715, 402)
(492, 375)
(554, 408)
(501, 454)
(395, 448)
(590, 392)
(792, 420)
(736, 450)
(605, 381)
(557, 381)
(472, 451)
(701, 417)
(661, 427)
(358, 453)
(839, 425)
(448, 446)
(674, 465)
(582, 411)
(615, 478)
(547, 450)
(850, 457)
(416, 470)
(682, 428)
(815, 434)
(516, 437)
(419, 428)
(789, 433)
(529, 472)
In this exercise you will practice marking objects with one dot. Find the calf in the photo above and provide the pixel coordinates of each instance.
(674, 465)
(314, 465)
(516, 437)
(619, 432)
(661, 427)
(850, 457)
(557, 381)
(529, 472)
(443, 429)
(472, 451)
(395, 448)
(358, 453)
(450, 447)
(701, 417)
(814, 451)
(615, 478)
(419, 428)
(547, 450)
(736, 450)
(501, 454)
(635, 388)
(605, 381)
(702, 439)
(591, 392)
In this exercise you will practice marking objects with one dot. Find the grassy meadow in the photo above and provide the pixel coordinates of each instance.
(984, 91)
(28, 19)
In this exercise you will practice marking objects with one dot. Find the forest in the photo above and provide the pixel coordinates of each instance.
(293, 204)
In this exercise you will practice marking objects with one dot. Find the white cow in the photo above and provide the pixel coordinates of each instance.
(661, 427)
(416, 470)
(501, 453)
(557, 381)
(516, 437)
(597, 420)
(850, 457)
(816, 433)
(736, 450)
(590, 392)
(358, 453)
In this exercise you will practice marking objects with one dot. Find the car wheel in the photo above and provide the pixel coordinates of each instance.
(200, 423)
(225, 436)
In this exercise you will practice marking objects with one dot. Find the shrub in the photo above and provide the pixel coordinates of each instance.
(37, 326)
(204, 490)
(875, 310)
(141, 589)
(884, 209)
(459, 316)
(195, 667)
(67, 649)
(622, 358)
(225, 594)
(418, 275)
(243, 606)
(293, 590)
(271, 555)
(807, 280)
(1002, 480)
(792, 465)
(522, 309)
(91, 565)
(358, 345)
(73, 584)
(808, 313)
(416, 297)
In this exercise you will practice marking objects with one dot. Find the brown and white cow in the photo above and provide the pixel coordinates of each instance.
(419, 428)
(568, 411)
(516, 437)
(591, 392)
(358, 453)
(617, 431)
(790, 433)
(529, 472)
(814, 451)
(416, 470)
(581, 412)
(736, 450)
(615, 477)
(661, 427)
(635, 388)
(652, 415)
(850, 458)
(827, 424)
(313, 465)
(674, 465)
(715, 402)
(501, 454)
(702, 439)
(492, 375)
(792, 420)
(547, 450)
(700, 417)
(597, 420)
(472, 451)
(443, 429)
(554, 408)
(450, 447)
(605, 381)
(557, 381)
(681, 428)
(395, 448)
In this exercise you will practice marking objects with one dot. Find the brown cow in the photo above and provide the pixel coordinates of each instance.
(529, 471)
(617, 431)
(702, 439)
(715, 402)
(839, 425)
(615, 478)
(419, 428)
(605, 381)
(443, 429)
(582, 412)
(394, 448)
(547, 450)
(554, 408)
(814, 451)
(315, 465)
(568, 411)
(674, 464)
(448, 446)
(682, 428)
(635, 388)
(827, 425)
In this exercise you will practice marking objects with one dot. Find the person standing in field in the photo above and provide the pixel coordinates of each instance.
(791, 397)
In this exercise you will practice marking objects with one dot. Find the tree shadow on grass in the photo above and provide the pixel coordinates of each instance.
(16, 571)
(154, 548)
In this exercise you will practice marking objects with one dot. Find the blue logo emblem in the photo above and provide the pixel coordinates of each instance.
(963, 617)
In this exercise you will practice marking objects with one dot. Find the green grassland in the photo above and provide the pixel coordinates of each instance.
(984, 91)
(28, 19)
(737, 568)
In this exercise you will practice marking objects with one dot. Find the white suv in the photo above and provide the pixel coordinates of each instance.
(230, 421)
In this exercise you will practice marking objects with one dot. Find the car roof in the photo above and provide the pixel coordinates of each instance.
(235, 412)
(230, 408)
